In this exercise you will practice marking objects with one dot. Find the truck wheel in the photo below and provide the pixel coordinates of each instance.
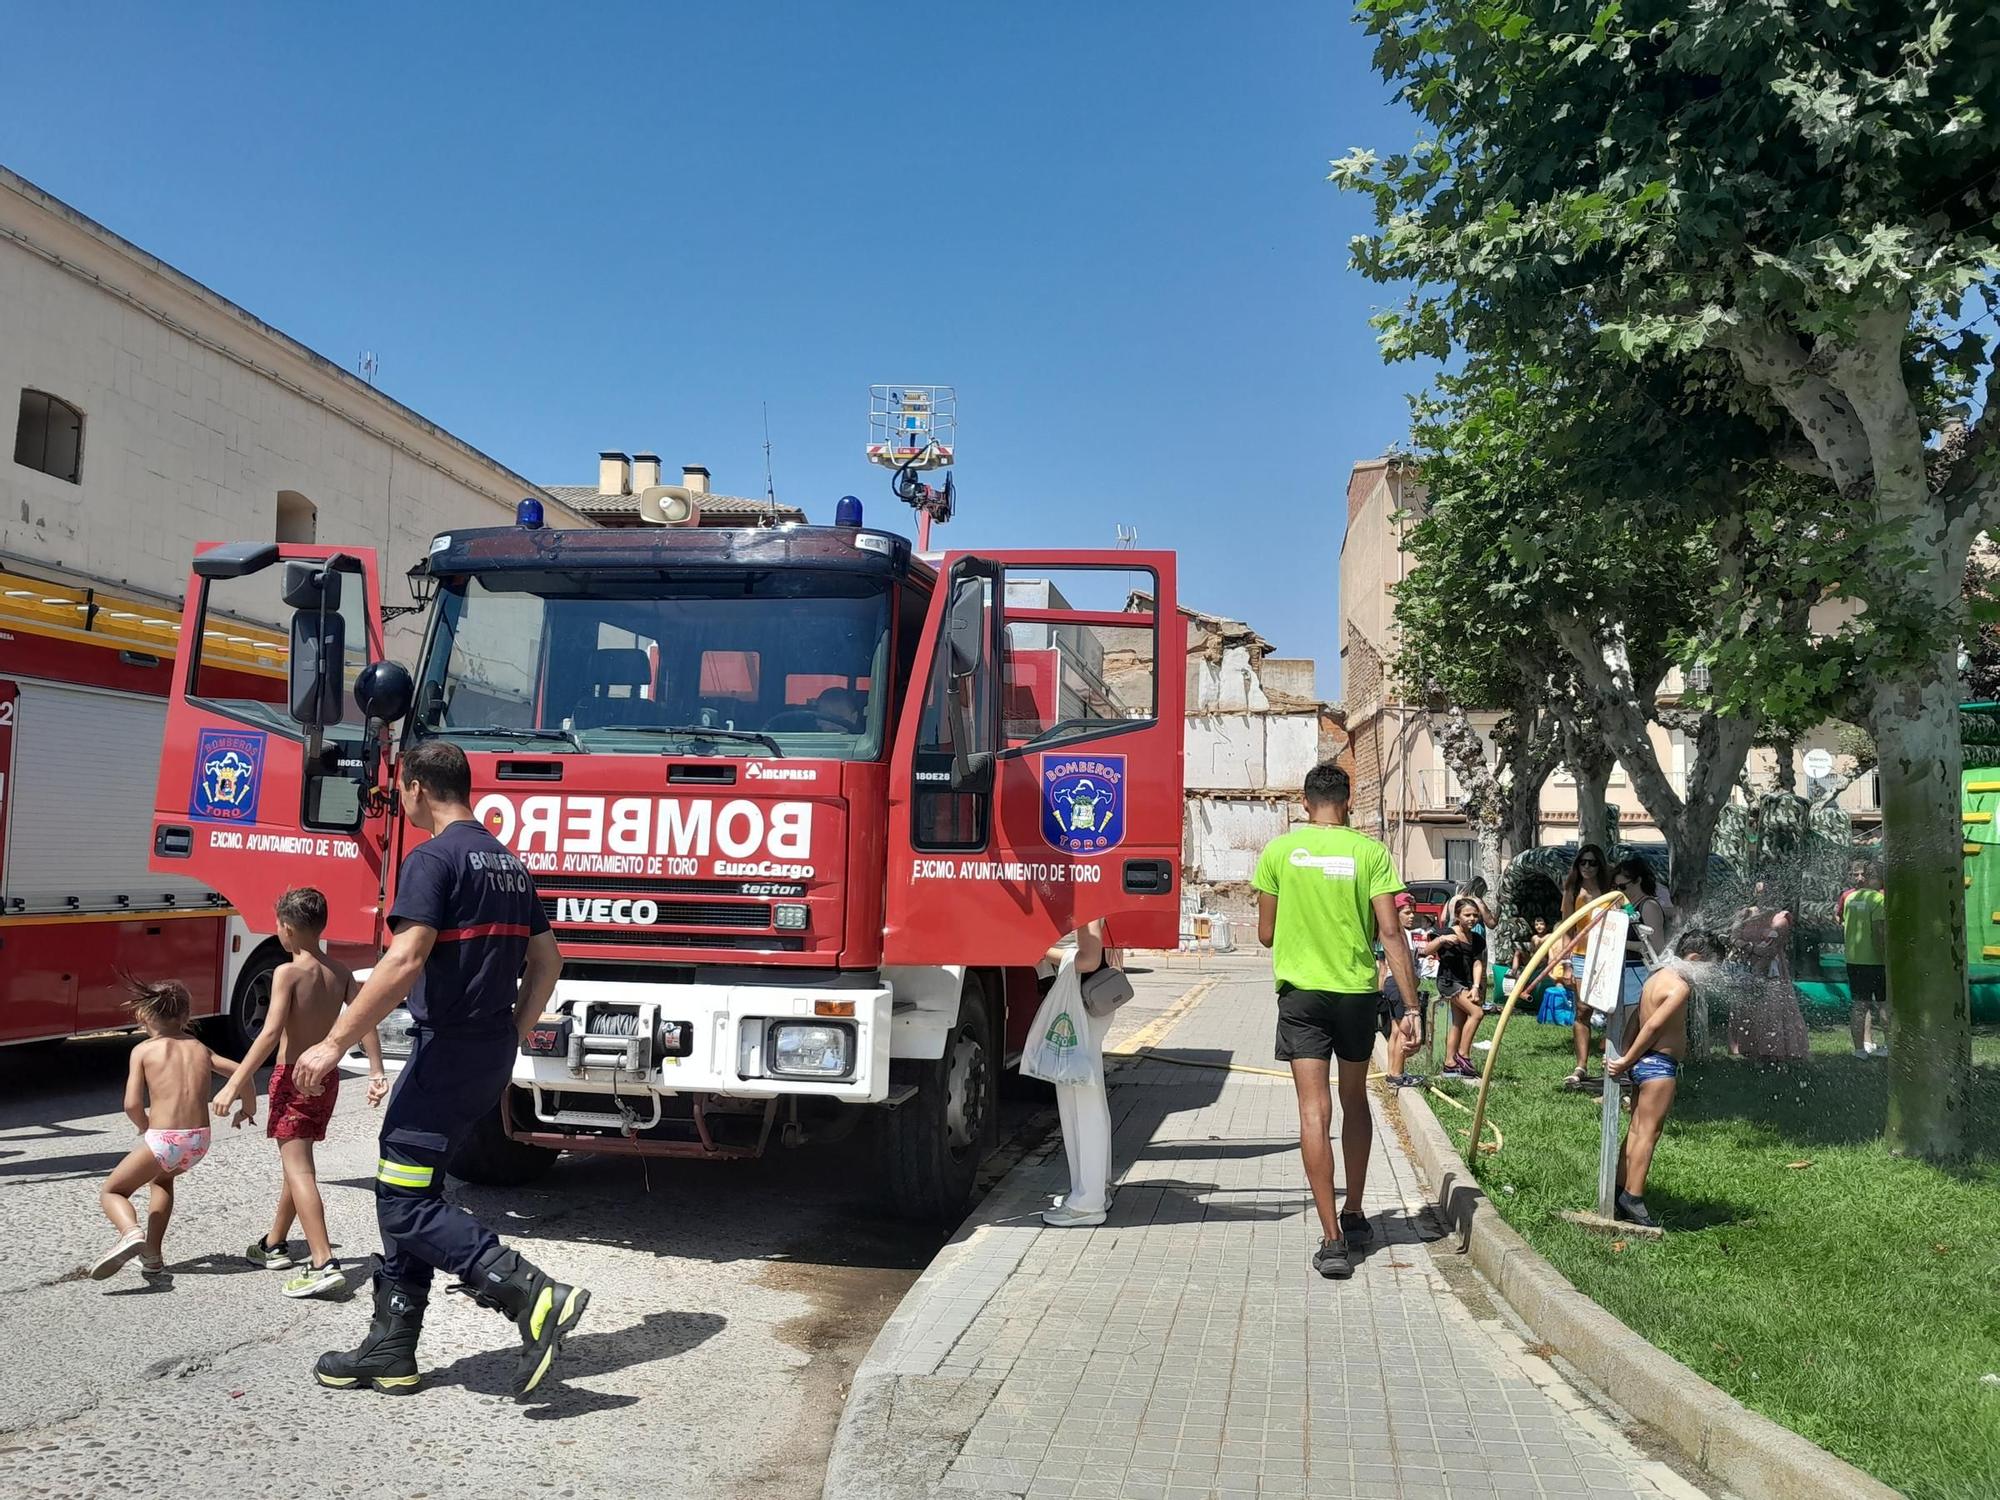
(930, 1147)
(492, 1158)
(250, 1002)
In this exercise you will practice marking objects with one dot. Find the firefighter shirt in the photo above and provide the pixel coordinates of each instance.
(1325, 879)
(482, 902)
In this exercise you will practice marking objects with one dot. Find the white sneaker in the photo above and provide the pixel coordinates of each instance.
(111, 1261)
(1062, 1216)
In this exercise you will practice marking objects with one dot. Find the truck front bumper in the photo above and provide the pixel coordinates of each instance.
(611, 1050)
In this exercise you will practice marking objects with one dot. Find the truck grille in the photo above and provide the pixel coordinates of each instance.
(652, 937)
(691, 913)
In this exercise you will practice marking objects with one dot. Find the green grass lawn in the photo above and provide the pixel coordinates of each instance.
(1847, 1293)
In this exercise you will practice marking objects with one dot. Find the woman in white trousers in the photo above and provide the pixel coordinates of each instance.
(1085, 1107)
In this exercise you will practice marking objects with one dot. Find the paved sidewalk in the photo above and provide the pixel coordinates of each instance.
(1185, 1349)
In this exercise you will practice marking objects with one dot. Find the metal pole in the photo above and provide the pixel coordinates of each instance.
(923, 531)
(1607, 1139)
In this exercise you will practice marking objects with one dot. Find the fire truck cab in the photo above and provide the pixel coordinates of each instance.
(804, 809)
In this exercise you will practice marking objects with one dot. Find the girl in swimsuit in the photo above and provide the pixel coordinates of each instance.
(166, 1099)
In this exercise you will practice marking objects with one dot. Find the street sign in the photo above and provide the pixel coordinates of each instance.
(1819, 764)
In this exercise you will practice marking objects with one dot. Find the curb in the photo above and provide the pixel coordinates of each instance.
(1748, 1452)
(902, 1424)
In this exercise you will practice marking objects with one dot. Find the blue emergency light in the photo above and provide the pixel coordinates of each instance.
(529, 514)
(847, 512)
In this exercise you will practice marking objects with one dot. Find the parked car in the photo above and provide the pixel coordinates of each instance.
(1432, 896)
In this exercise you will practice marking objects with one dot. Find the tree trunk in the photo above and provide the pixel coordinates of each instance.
(1930, 1061)
(1593, 818)
(1486, 854)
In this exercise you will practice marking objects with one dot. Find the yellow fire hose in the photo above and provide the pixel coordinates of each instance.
(1531, 972)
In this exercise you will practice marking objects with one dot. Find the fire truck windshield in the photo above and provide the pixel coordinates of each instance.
(748, 665)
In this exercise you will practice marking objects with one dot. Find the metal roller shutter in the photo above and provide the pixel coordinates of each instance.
(81, 821)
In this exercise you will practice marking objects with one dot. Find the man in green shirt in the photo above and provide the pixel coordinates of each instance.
(1323, 892)
(1865, 929)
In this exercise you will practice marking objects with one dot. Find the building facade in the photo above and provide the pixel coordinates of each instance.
(1404, 792)
(151, 413)
(1255, 726)
(622, 478)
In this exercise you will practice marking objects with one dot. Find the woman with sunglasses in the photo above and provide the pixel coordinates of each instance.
(1586, 882)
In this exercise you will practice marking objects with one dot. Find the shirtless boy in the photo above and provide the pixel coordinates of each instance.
(306, 997)
(1652, 1060)
(163, 1099)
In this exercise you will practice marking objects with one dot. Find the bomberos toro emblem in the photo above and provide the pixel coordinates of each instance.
(1083, 803)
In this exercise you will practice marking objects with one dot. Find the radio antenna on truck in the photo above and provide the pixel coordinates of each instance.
(913, 429)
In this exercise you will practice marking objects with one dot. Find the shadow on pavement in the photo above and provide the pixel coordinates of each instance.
(59, 1168)
(1170, 1200)
(657, 1336)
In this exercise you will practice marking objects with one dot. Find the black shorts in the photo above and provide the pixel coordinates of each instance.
(1324, 1024)
(1868, 984)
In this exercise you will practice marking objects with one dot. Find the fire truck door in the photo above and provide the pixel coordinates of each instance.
(261, 777)
(1037, 784)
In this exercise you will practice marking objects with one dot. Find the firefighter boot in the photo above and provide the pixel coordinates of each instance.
(387, 1357)
(543, 1309)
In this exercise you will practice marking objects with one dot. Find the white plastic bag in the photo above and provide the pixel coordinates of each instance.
(1059, 1049)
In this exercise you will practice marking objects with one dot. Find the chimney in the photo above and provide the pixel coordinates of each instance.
(695, 477)
(645, 471)
(614, 473)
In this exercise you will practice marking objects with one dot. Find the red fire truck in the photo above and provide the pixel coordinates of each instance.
(804, 809)
(83, 700)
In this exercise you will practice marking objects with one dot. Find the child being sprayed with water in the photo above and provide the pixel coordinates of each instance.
(1652, 1060)
(166, 1099)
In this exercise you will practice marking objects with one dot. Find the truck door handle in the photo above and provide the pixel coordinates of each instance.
(1149, 877)
(171, 841)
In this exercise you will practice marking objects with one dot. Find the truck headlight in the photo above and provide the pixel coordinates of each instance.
(805, 1049)
(789, 916)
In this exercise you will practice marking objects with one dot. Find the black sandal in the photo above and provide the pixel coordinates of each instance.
(1578, 1081)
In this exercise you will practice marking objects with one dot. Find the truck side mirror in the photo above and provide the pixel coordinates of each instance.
(319, 646)
(384, 691)
(965, 627)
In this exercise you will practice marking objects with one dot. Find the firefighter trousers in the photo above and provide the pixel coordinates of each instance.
(449, 1084)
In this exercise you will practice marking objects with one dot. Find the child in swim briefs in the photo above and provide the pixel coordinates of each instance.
(166, 1099)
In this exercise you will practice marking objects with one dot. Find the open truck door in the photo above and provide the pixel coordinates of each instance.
(271, 774)
(1038, 784)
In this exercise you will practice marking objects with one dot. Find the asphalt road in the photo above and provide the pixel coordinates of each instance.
(732, 1301)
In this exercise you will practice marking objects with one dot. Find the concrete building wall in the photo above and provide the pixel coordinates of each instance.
(198, 417)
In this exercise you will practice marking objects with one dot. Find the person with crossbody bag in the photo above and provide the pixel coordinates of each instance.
(1084, 1103)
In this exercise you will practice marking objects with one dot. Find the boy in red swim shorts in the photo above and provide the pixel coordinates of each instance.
(306, 997)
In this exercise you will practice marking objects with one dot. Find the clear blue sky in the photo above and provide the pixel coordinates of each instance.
(628, 226)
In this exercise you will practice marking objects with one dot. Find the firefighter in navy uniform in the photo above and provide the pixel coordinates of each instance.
(473, 952)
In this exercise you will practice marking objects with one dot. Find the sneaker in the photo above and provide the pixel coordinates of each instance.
(1331, 1261)
(1064, 1217)
(1880, 1049)
(1356, 1229)
(111, 1261)
(1634, 1211)
(1864, 1052)
(1407, 1081)
(317, 1281)
(269, 1257)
